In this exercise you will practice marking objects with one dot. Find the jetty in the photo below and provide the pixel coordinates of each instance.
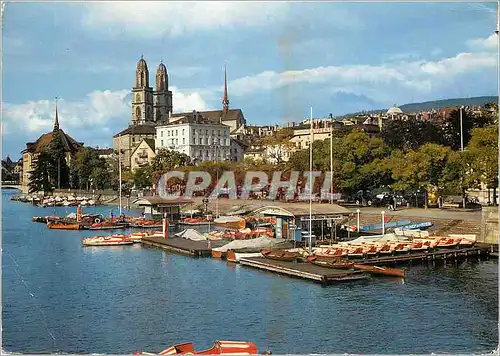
(304, 270)
(183, 246)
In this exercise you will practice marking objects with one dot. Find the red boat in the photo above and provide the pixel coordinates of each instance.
(394, 272)
(219, 348)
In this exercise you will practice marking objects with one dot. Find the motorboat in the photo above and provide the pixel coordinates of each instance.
(113, 240)
(219, 348)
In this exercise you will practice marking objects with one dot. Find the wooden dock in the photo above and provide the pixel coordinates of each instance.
(183, 246)
(437, 255)
(307, 271)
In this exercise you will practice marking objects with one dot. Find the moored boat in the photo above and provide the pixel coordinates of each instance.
(338, 263)
(219, 348)
(62, 226)
(114, 240)
(394, 272)
(280, 255)
(233, 256)
(137, 236)
(231, 222)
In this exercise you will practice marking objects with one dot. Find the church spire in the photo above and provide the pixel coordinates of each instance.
(56, 121)
(225, 100)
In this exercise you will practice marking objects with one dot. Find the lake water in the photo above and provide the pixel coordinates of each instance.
(61, 297)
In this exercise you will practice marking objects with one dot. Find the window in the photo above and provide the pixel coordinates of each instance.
(206, 140)
(218, 132)
(168, 133)
(137, 98)
(183, 141)
(200, 141)
(176, 133)
(138, 112)
(213, 132)
(161, 133)
(183, 132)
(161, 143)
(206, 133)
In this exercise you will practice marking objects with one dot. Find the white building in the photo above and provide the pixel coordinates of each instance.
(195, 136)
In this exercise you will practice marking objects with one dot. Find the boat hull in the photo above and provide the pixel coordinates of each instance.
(120, 243)
(55, 226)
(392, 272)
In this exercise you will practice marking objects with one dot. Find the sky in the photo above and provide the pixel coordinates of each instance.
(282, 59)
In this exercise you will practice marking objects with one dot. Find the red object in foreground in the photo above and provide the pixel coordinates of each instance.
(219, 348)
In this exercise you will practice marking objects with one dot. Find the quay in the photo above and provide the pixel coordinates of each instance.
(304, 270)
(183, 246)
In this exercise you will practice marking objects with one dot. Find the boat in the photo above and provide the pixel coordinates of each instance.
(219, 348)
(394, 272)
(230, 222)
(447, 243)
(62, 226)
(249, 246)
(137, 236)
(106, 225)
(356, 252)
(233, 256)
(114, 240)
(280, 255)
(330, 263)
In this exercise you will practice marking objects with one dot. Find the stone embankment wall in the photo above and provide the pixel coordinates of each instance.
(489, 225)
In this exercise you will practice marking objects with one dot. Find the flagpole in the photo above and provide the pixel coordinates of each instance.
(331, 161)
(310, 183)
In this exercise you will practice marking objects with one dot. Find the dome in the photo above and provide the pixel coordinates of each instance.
(162, 68)
(394, 110)
(142, 64)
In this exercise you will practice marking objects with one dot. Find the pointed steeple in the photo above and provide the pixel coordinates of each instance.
(225, 100)
(56, 121)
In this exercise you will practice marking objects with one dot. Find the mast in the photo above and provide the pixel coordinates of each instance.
(120, 173)
(310, 183)
(331, 161)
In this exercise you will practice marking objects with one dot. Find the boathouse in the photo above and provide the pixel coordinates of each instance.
(292, 221)
(155, 207)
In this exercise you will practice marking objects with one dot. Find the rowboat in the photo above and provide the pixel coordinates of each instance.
(395, 272)
(107, 225)
(62, 226)
(356, 252)
(447, 243)
(332, 263)
(233, 256)
(114, 240)
(280, 255)
(231, 222)
(219, 348)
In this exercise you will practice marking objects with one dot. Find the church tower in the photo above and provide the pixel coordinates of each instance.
(225, 99)
(142, 95)
(162, 96)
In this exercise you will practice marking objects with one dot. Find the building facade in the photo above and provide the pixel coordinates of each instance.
(127, 140)
(195, 136)
(143, 154)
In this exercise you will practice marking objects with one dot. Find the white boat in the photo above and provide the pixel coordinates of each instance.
(233, 222)
(235, 257)
(114, 240)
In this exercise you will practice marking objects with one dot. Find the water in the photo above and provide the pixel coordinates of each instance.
(61, 297)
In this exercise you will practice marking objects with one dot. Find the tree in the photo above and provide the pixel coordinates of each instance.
(142, 177)
(420, 169)
(409, 134)
(40, 180)
(166, 160)
(100, 177)
(85, 162)
(450, 128)
(483, 151)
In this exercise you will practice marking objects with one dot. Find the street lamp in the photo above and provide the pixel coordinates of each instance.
(357, 225)
(383, 223)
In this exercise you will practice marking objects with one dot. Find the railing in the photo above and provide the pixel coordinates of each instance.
(10, 182)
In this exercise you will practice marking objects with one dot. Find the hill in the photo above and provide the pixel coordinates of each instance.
(436, 104)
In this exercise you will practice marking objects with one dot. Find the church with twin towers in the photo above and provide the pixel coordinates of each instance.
(150, 105)
(153, 108)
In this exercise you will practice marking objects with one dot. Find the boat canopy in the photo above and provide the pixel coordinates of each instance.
(257, 243)
(191, 234)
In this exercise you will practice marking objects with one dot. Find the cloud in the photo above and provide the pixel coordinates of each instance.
(93, 120)
(484, 44)
(154, 19)
(379, 82)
